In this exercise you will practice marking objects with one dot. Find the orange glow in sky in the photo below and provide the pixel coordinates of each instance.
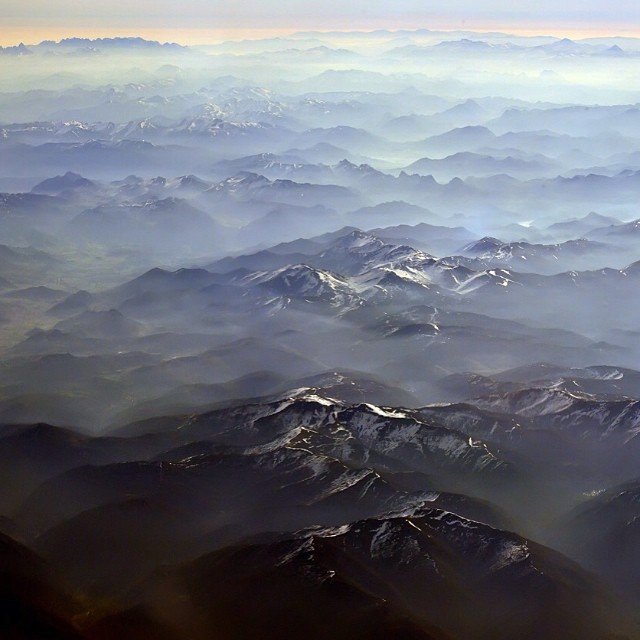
(193, 36)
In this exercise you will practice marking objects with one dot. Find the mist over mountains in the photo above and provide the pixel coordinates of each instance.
(332, 335)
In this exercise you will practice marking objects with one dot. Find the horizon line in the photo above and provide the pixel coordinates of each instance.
(199, 36)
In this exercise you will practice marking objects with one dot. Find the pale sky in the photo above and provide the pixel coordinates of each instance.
(192, 20)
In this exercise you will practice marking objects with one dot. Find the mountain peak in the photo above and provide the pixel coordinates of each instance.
(488, 243)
